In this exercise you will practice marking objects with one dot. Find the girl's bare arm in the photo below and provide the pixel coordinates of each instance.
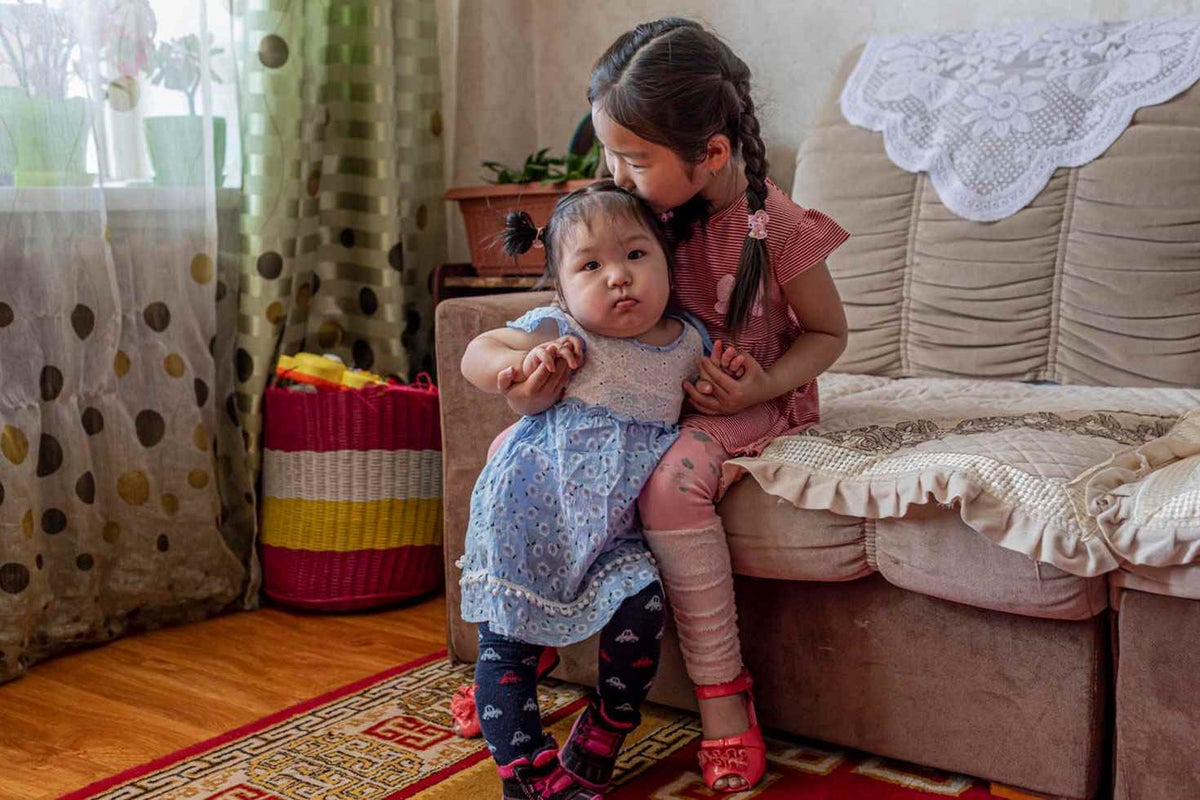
(815, 300)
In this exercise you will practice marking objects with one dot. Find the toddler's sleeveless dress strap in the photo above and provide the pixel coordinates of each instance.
(531, 320)
(689, 318)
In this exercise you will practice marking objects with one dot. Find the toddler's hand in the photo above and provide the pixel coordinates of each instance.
(542, 377)
(729, 382)
(565, 350)
(533, 394)
(731, 360)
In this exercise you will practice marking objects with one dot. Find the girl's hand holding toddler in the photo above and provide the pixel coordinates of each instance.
(730, 381)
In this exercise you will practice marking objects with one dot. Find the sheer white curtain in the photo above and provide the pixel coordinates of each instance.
(123, 495)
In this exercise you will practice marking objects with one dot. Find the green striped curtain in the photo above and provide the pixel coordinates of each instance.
(342, 215)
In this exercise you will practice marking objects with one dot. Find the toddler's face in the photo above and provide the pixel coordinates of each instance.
(652, 171)
(613, 276)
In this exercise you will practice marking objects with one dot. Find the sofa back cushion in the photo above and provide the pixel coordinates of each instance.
(1096, 281)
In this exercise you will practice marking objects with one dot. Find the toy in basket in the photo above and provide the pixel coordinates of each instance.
(352, 487)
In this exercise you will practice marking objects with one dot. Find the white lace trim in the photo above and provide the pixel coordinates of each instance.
(991, 114)
(497, 586)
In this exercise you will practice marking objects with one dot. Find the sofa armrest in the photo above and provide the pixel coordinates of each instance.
(470, 420)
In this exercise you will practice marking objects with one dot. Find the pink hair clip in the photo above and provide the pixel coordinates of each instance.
(665, 217)
(758, 224)
(537, 239)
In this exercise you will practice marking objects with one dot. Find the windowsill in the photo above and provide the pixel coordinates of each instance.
(111, 198)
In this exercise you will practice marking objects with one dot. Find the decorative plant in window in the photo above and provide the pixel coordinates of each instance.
(177, 65)
(39, 43)
(177, 142)
(43, 132)
(127, 37)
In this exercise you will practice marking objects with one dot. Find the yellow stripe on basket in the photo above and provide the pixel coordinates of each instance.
(327, 525)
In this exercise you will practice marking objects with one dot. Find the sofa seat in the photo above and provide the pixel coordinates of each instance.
(929, 550)
(919, 478)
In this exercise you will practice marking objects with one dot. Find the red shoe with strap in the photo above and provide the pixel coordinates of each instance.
(464, 717)
(743, 756)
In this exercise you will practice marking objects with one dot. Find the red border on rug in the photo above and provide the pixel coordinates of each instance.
(254, 727)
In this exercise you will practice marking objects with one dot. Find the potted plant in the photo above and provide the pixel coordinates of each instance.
(176, 142)
(47, 131)
(127, 29)
(534, 188)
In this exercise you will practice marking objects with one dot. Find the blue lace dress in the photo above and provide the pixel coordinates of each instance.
(553, 545)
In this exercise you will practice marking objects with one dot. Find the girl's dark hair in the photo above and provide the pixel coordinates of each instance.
(603, 196)
(674, 83)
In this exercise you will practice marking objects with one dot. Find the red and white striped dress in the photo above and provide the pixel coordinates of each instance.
(705, 268)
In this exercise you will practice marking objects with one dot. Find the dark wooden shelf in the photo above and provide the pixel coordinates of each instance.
(461, 280)
(501, 282)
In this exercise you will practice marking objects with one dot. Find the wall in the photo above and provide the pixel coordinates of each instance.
(515, 72)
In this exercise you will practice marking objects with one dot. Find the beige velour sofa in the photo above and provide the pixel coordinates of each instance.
(981, 559)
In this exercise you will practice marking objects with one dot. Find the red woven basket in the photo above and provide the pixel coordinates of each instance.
(352, 496)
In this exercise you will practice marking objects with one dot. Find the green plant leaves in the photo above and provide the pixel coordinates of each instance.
(175, 65)
(547, 169)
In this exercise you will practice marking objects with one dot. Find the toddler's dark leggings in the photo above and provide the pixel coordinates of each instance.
(506, 677)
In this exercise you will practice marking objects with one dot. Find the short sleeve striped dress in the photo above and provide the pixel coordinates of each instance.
(705, 269)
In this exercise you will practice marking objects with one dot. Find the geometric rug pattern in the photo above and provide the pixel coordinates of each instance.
(389, 737)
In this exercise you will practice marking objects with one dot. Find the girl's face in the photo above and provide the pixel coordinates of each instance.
(652, 171)
(613, 276)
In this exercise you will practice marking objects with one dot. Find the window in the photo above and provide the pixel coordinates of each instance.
(132, 72)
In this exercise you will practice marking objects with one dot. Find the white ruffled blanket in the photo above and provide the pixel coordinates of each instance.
(991, 114)
(1146, 500)
(1071, 476)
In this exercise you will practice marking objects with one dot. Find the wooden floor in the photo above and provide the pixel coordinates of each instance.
(91, 714)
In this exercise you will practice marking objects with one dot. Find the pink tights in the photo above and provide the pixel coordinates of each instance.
(678, 510)
(683, 490)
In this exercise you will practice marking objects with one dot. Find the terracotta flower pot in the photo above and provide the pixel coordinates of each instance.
(484, 209)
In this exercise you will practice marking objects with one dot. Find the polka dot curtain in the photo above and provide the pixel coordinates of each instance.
(125, 500)
(124, 496)
(343, 219)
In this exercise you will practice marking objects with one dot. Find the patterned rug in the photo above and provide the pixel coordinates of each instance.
(388, 737)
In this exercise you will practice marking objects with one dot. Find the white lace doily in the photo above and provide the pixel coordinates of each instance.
(991, 114)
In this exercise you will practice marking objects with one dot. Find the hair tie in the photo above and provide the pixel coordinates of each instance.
(537, 237)
(758, 224)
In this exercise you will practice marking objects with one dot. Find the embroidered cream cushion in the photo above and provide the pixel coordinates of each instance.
(1146, 500)
(1004, 455)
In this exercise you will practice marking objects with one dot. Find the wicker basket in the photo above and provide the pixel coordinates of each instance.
(484, 209)
(352, 496)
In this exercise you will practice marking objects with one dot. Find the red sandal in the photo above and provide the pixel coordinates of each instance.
(744, 755)
(465, 719)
